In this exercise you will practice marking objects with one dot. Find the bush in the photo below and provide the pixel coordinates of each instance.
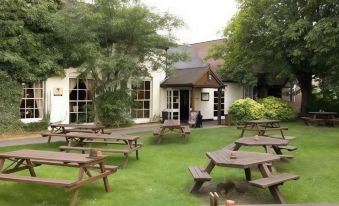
(276, 108)
(10, 93)
(37, 126)
(114, 108)
(246, 109)
(243, 110)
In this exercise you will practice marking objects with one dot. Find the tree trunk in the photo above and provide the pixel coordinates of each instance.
(305, 82)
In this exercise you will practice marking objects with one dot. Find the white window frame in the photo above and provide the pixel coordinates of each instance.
(26, 98)
(142, 101)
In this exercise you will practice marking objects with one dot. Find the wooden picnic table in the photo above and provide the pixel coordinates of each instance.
(83, 139)
(64, 128)
(28, 159)
(316, 118)
(246, 161)
(172, 126)
(262, 126)
(268, 143)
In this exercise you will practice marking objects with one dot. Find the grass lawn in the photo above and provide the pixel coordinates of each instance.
(161, 177)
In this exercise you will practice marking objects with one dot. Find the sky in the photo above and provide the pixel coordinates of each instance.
(204, 19)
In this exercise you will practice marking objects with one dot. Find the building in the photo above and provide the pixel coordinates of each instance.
(193, 85)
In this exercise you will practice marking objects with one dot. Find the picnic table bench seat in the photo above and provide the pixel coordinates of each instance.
(107, 142)
(288, 147)
(273, 180)
(199, 176)
(53, 134)
(312, 121)
(37, 180)
(96, 166)
(230, 147)
(125, 152)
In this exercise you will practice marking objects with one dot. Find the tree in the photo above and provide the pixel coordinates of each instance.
(115, 42)
(298, 37)
(28, 49)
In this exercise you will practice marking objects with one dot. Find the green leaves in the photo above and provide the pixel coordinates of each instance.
(26, 52)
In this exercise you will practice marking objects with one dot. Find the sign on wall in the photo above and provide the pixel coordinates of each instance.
(57, 91)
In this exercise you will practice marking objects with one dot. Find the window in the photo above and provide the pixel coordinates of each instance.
(80, 100)
(32, 104)
(248, 92)
(173, 101)
(215, 108)
(142, 100)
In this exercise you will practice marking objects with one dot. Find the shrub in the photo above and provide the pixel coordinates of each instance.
(37, 126)
(114, 108)
(276, 108)
(10, 93)
(246, 109)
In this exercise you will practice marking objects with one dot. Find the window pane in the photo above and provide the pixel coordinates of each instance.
(147, 95)
(140, 114)
(29, 93)
(140, 94)
(146, 113)
(73, 118)
(146, 104)
(147, 85)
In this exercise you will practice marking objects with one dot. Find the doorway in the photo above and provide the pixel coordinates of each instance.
(184, 105)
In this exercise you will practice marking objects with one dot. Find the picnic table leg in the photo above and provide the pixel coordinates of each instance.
(197, 184)
(30, 167)
(137, 150)
(237, 147)
(209, 167)
(106, 183)
(161, 134)
(125, 160)
(282, 133)
(2, 162)
(76, 192)
(248, 174)
(274, 190)
(277, 150)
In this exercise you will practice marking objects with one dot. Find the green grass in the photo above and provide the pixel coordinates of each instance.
(161, 177)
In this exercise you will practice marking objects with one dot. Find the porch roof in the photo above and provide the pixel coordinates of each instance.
(193, 77)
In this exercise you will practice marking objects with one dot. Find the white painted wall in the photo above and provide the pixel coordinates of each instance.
(205, 107)
(156, 78)
(58, 106)
(233, 91)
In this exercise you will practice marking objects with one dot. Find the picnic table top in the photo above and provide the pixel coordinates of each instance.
(51, 156)
(80, 126)
(261, 141)
(263, 121)
(323, 113)
(102, 136)
(171, 122)
(243, 159)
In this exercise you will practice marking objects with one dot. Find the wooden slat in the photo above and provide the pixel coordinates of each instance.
(89, 148)
(36, 180)
(288, 147)
(96, 166)
(274, 180)
(199, 173)
(50, 156)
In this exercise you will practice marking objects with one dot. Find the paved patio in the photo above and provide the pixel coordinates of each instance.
(129, 130)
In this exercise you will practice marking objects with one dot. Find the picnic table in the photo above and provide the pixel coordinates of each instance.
(58, 130)
(172, 126)
(268, 143)
(64, 128)
(246, 161)
(316, 118)
(80, 140)
(262, 126)
(29, 159)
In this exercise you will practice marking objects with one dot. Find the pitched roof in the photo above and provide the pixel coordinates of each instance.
(202, 48)
(193, 61)
(192, 77)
